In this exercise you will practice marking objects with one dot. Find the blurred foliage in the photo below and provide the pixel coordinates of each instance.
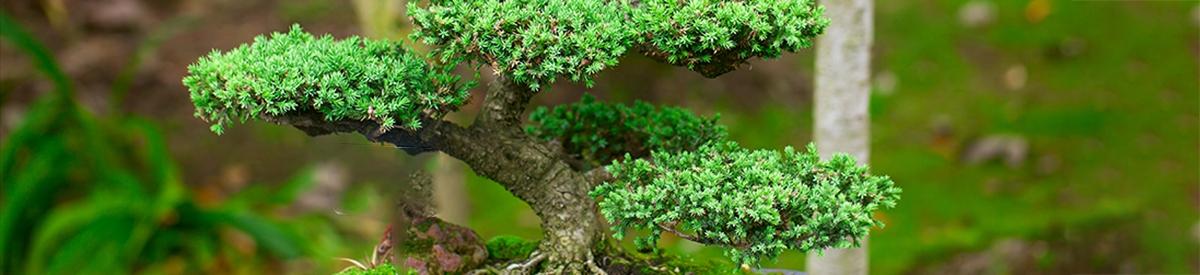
(599, 133)
(754, 203)
(353, 79)
(100, 195)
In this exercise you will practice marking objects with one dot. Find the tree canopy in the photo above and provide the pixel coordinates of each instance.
(537, 41)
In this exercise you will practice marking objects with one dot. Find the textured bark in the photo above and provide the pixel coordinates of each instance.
(842, 97)
(496, 148)
(504, 105)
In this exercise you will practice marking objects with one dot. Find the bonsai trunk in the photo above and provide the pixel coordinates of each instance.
(496, 147)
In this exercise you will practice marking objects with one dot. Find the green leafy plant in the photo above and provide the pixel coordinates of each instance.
(599, 133)
(757, 203)
(665, 164)
(354, 78)
(533, 41)
(713, 36)
(90, 194)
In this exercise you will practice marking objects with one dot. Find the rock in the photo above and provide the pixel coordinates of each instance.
(1196, 231)
(1196, 15)
(1012, 149)
(116, 14)
(433, 246)
(886, 82)
(1015, 77)
(1048, 164)
(977, 13)
(331, 179)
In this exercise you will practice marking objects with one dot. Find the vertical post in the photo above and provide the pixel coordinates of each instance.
(378, 18)
(842, 122)
(450, 190)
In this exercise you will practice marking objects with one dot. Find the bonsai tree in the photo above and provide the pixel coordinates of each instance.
(643, 168)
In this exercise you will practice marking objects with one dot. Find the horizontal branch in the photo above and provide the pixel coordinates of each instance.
(404, 139)
(680, 234)
(597, 176)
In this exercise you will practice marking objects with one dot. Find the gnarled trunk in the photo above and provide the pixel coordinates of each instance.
(496, 148)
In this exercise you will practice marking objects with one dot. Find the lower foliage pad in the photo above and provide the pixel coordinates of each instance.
(756, 203)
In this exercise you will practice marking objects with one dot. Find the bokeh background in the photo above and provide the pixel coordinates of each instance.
(1030, 136)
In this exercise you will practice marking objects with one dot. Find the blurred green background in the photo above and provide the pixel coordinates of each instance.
(1030, 136)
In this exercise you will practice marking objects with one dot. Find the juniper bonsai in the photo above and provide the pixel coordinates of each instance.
(659, 169)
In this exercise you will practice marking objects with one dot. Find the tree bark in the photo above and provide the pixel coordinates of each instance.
(842, 121)
(496, 148)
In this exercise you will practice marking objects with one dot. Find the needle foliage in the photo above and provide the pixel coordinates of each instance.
(532, 41)
(352, 79)
(714, 36)
(598, 133)
(537, 41)
(756, 203)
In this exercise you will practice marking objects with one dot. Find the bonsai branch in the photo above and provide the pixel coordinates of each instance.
(405, 139)
(504, 104)
(597, 176)
(670, 227)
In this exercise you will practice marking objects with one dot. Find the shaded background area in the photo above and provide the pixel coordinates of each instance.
(1030, 136)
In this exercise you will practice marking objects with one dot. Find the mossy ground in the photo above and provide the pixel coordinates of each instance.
(384, 269)
(508, 247)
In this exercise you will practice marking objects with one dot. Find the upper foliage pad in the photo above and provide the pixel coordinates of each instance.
(755, 202)
(536, 41)
(354, 78)
(533, 41)
(598, 133)
(712, 37)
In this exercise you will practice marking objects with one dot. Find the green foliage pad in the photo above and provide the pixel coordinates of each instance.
(712, 37)
(537, 41)
(757, 203)
(598, 133)
(354, 78)
(533, 41)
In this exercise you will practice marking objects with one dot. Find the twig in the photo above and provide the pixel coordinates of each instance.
(534, 259)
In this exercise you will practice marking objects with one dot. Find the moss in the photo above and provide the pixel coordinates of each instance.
(618, 259)
(384, 269)
(506, 247)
